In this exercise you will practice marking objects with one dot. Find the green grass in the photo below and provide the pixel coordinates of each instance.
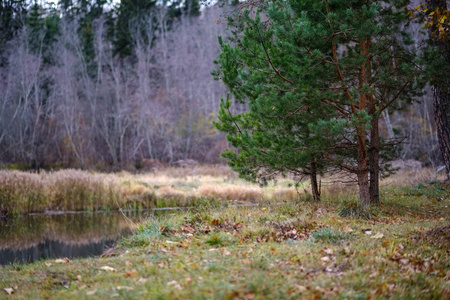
(294, 251)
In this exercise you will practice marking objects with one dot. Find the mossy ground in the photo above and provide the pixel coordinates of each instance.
(297, 250)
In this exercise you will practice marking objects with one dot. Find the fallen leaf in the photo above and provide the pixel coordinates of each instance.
(107, 268)
(47, 264)
(90, 293)
(127, 288)
(206, 229)
(175, 284)
(328, 251)
(83, 287)
(249, 296)
(62, 260)
(79, 277)
(348, 230)
(128, 262)
(161, 264)
(367, 231)
(377, 236)
(9, 291)
(185, 243)
(226, 252)
(301, 288)
(131, 273)
(142, 280)
(325, 258)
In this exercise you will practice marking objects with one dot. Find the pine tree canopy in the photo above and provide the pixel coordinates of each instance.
(316, 76)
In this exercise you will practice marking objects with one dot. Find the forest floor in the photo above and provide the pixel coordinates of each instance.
(294, 250)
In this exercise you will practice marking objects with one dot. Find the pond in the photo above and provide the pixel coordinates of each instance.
(26, 239)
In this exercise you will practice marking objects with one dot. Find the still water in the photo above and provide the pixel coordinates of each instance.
(29, 238)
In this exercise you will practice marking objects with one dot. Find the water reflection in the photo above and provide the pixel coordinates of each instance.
(34, 237)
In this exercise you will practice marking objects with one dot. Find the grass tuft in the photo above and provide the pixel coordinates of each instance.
(328, 235)
(215, 239)
(353, 208)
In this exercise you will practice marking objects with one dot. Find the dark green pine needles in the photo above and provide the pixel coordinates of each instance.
(315, 76)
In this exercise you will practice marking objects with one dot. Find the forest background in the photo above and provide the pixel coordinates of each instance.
(108, 86)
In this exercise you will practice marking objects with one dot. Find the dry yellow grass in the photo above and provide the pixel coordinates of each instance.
(170, 192)
(25, 192)
(231, 192)
(283, 194)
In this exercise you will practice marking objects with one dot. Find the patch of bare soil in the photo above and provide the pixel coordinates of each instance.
(439, 236)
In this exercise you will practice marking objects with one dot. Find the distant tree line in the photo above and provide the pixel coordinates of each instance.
(93, 84)
(87, 84)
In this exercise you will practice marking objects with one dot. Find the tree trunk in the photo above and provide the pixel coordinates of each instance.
(441, 95)
(374, 162)
(363, 184)
(314, 186)
(441, 103)
(363, 173)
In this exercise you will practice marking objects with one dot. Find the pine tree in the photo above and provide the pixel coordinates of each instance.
(316, 76)
(130, 16)
(11, 19)
(440, 39)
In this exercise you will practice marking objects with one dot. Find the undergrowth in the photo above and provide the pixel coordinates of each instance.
(290, 251)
